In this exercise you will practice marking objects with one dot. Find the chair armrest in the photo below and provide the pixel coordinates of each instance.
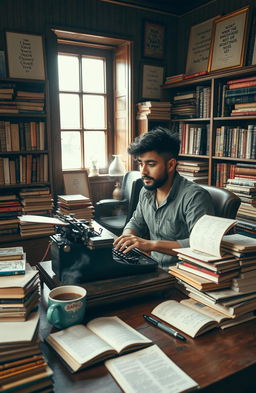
(105, 207)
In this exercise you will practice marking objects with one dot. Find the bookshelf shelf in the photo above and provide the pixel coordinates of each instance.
(220, 105)
(25, 168)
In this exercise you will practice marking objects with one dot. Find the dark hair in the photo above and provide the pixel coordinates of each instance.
(159, 139)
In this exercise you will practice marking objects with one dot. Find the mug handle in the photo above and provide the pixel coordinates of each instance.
(52, 312)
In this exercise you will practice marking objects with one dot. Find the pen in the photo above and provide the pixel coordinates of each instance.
(163, 327)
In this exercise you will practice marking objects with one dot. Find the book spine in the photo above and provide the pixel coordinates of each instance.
(235, 81)
(242, 84)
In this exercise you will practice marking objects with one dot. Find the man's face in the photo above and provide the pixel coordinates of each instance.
(154, 170)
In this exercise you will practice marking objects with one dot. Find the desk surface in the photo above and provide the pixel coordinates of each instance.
(219, 361)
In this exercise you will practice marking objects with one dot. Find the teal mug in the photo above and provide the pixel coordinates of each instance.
(66, 306)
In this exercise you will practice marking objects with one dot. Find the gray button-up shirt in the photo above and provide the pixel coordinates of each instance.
(174, 218)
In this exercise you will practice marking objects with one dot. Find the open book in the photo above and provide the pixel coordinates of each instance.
(205, 238)
(81, 346)
(184, 318)
(152, 369)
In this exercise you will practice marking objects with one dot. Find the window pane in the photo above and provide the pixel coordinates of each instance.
(71, 150)
(94, 112)
(68, 65)
(69, 111)
(93, 71)
(94, 147)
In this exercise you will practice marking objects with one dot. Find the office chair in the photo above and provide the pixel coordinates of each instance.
(225, 202)
(113, 214)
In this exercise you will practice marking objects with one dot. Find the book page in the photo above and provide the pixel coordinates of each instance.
(117, 333)
(196, 255)
(208, 232)
(152, 369)
(79, 342)
(210, 312)
(41, 220)
(19, 332)
(181, 317)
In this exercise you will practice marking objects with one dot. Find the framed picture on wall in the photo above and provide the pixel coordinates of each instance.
(154, 38)
(77, 182)
(152, 80)
(25, 55)
(228, 40)
(199, 46)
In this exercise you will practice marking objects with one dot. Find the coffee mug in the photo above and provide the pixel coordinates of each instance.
(66, 306)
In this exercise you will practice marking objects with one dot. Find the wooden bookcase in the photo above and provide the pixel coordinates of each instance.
(31, 148)
(213, 80)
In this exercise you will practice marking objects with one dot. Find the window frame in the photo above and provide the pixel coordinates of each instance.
(108, 55)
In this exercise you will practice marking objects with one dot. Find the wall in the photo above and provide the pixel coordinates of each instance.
(91, 16)
(213, 8)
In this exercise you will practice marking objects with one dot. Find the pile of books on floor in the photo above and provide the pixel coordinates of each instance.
(36, 201)
(218, 272)
(10, 208)
(196, 171)
(240, 94)
(22, 365)
(19, 285)
(245, 189)
(78, 205)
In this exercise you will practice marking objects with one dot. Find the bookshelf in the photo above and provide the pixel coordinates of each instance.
(24, 150)
(218, 116)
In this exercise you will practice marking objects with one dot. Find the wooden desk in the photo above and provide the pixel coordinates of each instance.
(219, 361)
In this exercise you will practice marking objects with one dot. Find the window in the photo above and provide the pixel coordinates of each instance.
(85, 98)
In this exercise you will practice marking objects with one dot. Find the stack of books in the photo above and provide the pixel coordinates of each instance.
(22, 365)
(10, 208)
(19, 295)
(7, 105)
(244, 248)
(12, 261)
(173, 79)
(77, 205)
(36, 201)
(152, 110)
(30, 101)
(240, 94)
(245, 189)
(196, 171)
(209, 271)
(194, 138)
(184, 105)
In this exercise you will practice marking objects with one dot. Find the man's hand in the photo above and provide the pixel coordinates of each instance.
(127, 242)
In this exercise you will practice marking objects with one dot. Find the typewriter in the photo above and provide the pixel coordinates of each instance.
(81, 254)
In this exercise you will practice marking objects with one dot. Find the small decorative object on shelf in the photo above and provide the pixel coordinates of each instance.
(116, 168)
(117, 193)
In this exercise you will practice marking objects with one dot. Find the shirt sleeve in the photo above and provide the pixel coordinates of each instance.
(137, 222)
(195, 206)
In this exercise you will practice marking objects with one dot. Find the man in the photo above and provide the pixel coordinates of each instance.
(169, 205)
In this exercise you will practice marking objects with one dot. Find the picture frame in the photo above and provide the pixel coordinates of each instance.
(77, 182)
(152, 80)
(154, 40)
(228, 41)
(25, 55)
(199, 45)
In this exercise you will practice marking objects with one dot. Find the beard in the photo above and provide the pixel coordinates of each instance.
(156, 182)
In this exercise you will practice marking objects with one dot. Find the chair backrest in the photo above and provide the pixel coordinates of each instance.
(128, 180)
(225, 202)
(136, 187)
